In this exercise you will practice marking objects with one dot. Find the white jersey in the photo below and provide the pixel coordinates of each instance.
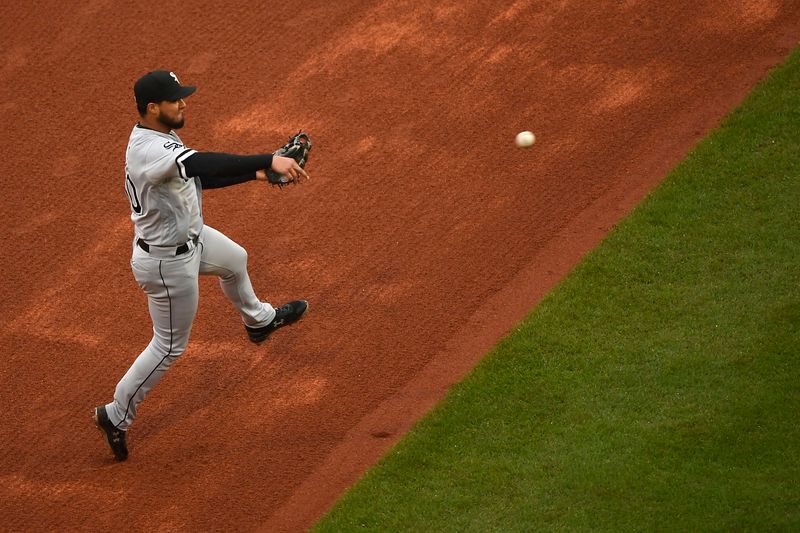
(166, 207)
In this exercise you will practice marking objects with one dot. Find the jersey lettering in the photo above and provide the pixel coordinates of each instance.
(165, 206)
(130, 190)
(172, 145)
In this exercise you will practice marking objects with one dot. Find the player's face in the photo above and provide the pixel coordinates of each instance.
(171, 113)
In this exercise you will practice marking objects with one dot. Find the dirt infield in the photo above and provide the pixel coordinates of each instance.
(422, 238)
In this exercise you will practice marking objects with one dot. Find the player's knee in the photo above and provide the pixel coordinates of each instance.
(172, 346)
(238, 259)
(234, 264)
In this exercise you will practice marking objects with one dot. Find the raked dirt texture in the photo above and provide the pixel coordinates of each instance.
(423, 237)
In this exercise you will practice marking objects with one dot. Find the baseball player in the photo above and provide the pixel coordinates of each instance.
(164, 181)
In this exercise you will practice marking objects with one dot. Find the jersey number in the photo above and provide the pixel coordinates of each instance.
(130, 189)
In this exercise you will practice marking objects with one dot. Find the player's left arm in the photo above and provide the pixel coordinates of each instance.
(226, 181)
(216, 169)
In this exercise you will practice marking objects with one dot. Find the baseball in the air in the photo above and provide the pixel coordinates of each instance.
(525, 139)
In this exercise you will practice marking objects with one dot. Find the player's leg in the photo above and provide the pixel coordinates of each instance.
(172, 295)
(224, 258)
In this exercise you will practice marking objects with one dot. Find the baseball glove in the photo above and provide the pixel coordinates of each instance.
(297, 148)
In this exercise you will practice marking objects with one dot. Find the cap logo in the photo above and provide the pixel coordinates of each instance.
(174, 77)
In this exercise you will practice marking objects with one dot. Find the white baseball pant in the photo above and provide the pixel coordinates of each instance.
(171, 285)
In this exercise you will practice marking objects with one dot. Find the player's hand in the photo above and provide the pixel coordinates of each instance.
(287, 166)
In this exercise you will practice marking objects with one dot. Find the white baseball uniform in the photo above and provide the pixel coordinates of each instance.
(171, 248)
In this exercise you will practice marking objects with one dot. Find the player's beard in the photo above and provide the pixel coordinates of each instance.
(170, 123)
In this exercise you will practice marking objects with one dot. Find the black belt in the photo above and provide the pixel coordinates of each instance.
(180, 249)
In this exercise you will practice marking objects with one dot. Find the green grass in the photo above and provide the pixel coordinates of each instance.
(656, 388)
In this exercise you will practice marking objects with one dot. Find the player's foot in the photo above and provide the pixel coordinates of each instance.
(114, 436)
(284, 315)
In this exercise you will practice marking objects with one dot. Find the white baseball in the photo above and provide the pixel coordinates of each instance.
(525, 139)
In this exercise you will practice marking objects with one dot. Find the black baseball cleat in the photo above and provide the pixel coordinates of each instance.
(284, 315)
(114, 436)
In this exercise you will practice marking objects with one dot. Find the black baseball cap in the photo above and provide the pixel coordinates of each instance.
(160, 85)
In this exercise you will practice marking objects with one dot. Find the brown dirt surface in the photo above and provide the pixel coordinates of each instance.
(423, 237)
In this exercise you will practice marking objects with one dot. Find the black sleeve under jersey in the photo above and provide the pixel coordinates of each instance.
(225, 181)
(216, 169)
